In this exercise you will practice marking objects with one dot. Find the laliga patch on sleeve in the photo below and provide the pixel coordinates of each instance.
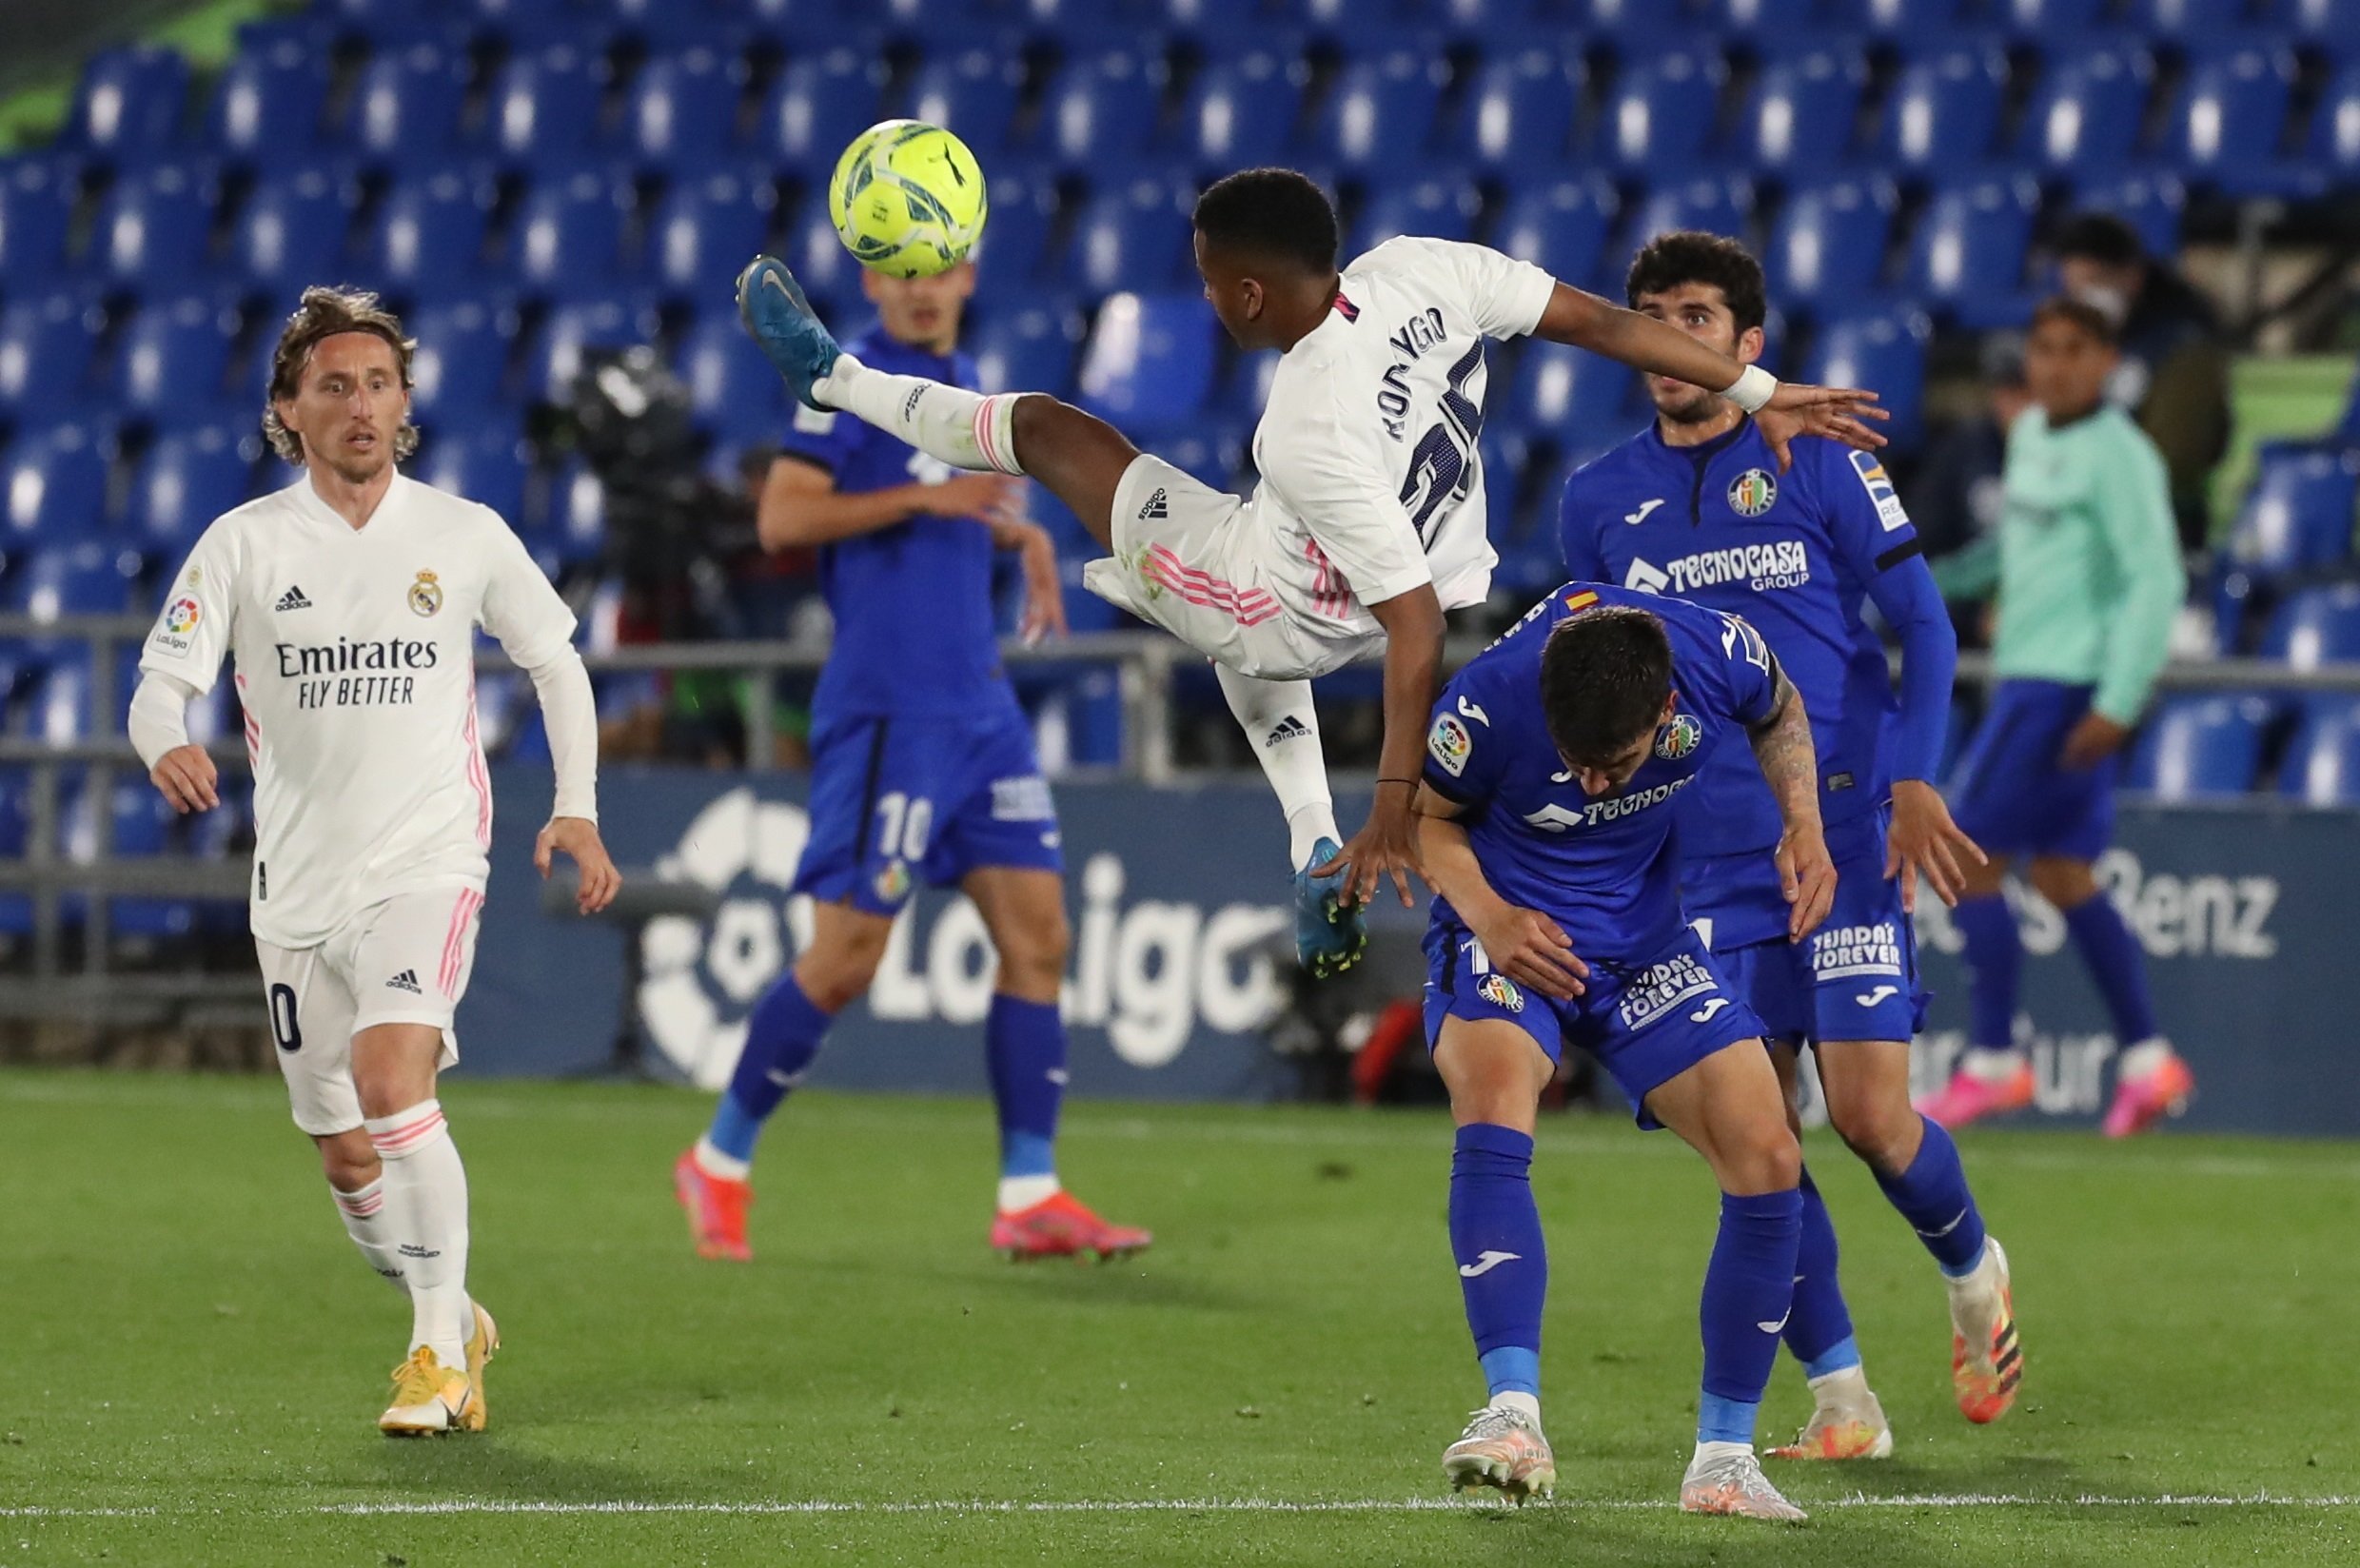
(1449, 744)
(813, 421)
(1879, 487)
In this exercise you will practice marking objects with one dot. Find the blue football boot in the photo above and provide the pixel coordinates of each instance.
(777, 316)
(1329, 934)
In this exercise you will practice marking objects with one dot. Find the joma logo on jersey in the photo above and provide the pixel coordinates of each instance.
(1660, 988)
(1779, 563)
(1841, 952)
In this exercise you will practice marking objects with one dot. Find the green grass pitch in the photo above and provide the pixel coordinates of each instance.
(194, 1356)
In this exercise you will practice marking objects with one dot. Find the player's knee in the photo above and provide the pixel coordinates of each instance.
(348, 1160)
(2067, 884)
(1032, 960)
(1764, 1157)
(1877, 1127)
(839, 975)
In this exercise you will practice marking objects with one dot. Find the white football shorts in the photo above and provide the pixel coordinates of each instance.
(403, 961)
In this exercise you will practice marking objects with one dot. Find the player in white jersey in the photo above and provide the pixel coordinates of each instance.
(1368, 522)
(348, 602)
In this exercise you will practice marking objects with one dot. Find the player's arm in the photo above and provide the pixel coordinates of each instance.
(1044, 591)
(180, 663)
(801, 507)
(2135, 509)
(1525, 944)
(1413, 667)
(1782, 734)
(159, 729)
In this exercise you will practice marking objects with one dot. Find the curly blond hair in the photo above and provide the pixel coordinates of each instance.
(324, 312)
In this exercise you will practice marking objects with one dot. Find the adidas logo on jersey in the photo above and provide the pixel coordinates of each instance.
(293, 600)
(1289, 728)
(407, 980)
(1154, 508)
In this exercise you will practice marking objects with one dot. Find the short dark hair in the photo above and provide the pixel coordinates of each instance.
(2081, 313)
(1604, 674)
(2102, 237)
(1273, 212)
(1692, 256)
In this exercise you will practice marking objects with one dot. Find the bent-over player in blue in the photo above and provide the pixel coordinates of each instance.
(922, 770)
(1554, 766)
(1697, 506)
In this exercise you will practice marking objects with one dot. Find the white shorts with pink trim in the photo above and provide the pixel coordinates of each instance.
(405, 960)
(1188, 559)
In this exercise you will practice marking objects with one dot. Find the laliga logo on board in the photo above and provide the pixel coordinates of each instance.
(1147, 974)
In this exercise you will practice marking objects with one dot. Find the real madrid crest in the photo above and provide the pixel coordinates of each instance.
(425, 594)
(1753, 493)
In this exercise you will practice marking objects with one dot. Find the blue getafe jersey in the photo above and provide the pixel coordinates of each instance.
(1795, 554)
(1603, 869)
(914, 627)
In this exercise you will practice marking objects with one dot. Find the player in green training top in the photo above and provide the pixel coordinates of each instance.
(2090, 580)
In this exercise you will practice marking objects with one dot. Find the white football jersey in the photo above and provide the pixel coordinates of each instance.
(355, 663)
(1371, 483)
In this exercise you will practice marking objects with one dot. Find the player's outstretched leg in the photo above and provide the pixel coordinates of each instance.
(1847, 1422)
(1993, 1078)
(1079, 456)
(1283, 727)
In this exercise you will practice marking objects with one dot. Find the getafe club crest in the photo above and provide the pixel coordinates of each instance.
(892, 883)
(1500, 992)
(1679, 738)
(1753, 493)
(425, 594)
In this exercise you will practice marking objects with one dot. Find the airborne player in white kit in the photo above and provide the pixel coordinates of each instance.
(349, 602)
(1368, 522)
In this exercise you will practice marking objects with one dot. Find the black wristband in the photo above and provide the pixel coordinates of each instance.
(1411, 782)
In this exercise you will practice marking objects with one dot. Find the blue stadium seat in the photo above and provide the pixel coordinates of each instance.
(154, 227)
(268, 99)
(733, 391)
(1715, 205)
(129, 103)
(1103, 106)
(973, 93)
(2198, 24)
(1443, 208)
(1567, 397)
(2201, 748)
(1029, 348)
(185, 479)
(1663, 111)
(2150, 202)
(2086, 114)
(291, 231)
(706, 228)
(827, 272)
(1772, 21)
(1944, 109)
(1520, 109)
(1240, 110)
(87, 579)
(2045, 21)
(2299, 515)
(1968, 255)
(2322, 763)
(1800, 114)
(46, 345)
(1135, 236)
(575, 531)
(1640, 23)
(175, 361)
(1827, 249)
(2227, 124)
(675, 24)
(405, 106)
(567, 241)
(1916, 22)
(2334, 25)
(1561, 227)
(556, 354)
(1380, 110)
(1150, 360)
(544, 106)
(819, 103)
(683, 107)
(52, 488)
(462, 360)
(61, 703)
(487, 467)
(1013, 251)
(427, 237)
(36, 206)
(2316, 626)
(1884, 351)
(2334, 153)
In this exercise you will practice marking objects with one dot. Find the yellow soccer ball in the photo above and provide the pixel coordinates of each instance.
(907, 198)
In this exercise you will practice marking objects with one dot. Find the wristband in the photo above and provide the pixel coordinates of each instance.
(1411, 782)
(1753, 389)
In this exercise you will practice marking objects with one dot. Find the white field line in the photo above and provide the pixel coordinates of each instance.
(956, 1508)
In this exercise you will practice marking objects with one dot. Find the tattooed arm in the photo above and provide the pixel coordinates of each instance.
(1783, 747)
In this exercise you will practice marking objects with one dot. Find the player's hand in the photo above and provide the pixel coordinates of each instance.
(994, 499)
(1387, 844)
(1835, 411)
(2093, 740)
(1044, 596)
(1807, 876)
(1532, 949)
(579, 837)
(1926, 842)
(188, 779)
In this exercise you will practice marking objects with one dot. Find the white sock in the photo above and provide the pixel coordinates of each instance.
(1527, 1405)
(713, 1162)
(1283, 727)
(1707, 1453)
(363, 1213)
(2143, 1058)
(1018, 1192)
(964, 429)
(1990, 1064)
(1844, 1389)
(426, 1211)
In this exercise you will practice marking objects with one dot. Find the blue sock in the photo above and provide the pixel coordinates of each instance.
(782, 1036)
(1024, 1047)
(1994, 966)
(1749, 1291)
(1932, 1195)
(2110, 950)
(1818, 1330)
(1495, 1234)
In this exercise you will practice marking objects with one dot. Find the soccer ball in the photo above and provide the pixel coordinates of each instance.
(907, 198)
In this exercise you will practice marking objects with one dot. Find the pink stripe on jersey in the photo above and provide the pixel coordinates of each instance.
(479, 777)
(455, 941)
